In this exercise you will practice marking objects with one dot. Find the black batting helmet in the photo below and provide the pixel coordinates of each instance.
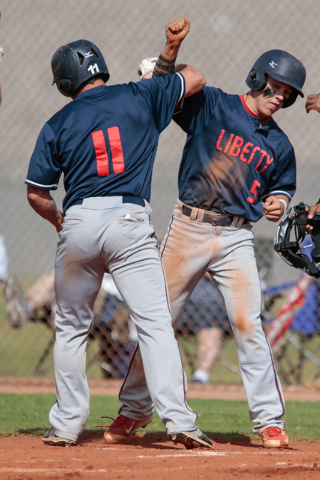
(280, 66)
(74, 63)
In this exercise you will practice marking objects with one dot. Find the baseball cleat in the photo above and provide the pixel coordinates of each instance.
(122, 427)
(50, 438)
(274, 437)
(190, 440)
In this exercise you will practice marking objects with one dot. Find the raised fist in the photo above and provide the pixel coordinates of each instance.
(177, 30)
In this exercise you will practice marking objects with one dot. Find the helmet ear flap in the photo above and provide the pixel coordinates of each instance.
(292, 98)
(65, 86)
(256, 80)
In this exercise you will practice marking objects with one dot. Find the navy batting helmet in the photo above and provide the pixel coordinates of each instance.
(75, 63)
(280, 66)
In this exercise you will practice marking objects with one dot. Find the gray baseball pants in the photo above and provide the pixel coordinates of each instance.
(192, 248)
(105, 234)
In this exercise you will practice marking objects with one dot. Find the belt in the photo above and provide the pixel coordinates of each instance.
(125, 199)
(216, 219)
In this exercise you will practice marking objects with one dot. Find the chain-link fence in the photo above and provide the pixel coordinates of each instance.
(224, 41)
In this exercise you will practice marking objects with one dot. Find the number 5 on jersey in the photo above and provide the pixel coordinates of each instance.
(102, 154)
(254, 192)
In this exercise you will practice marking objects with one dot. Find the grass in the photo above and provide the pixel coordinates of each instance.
(224, 420)
(21, 349)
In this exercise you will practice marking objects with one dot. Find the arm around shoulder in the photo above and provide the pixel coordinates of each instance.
(194, 79)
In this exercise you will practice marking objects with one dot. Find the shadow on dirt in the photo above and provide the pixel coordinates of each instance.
(160, 440)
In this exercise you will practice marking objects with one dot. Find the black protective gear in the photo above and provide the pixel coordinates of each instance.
(75, 63)
(281, 66)
(295, 220)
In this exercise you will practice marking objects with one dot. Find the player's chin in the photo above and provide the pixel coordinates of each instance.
(272, 108)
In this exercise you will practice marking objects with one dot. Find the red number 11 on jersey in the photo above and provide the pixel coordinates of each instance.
(102, 154)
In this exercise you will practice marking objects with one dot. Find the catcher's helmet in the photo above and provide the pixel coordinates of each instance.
(74, 63)
(280, 66)
(295, 222)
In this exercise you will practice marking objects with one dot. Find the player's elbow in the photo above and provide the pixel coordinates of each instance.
(201, 81)
(33, 199)
(37, 197)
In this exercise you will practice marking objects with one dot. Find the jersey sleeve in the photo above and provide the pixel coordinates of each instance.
(44, 169)
(196, 110)
(283, 181)
(162, 94)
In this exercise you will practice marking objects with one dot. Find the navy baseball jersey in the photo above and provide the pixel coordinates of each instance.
(232, 160)
(105, 141)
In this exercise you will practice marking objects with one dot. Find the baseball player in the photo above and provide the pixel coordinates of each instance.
(313, 103)
(237, 165)
(105, 142)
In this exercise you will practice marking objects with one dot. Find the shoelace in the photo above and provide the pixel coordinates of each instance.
(107, 426)
(273, 431)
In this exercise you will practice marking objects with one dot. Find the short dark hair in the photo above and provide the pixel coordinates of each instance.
(90, 81)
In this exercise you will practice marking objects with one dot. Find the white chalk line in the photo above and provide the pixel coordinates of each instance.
(221, 454)
(87, 471)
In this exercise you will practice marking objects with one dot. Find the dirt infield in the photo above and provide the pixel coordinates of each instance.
(34, 385)
(154, 457)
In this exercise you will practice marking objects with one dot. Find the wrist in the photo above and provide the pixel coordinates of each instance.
(58, 221)
(171, 50)
(284, 204)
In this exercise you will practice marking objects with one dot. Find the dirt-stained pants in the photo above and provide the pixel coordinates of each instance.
(192, 248)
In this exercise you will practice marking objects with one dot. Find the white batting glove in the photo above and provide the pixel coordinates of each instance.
(1, 53)
(146, 67)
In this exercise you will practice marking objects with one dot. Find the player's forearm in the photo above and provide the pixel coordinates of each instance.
(44, 205)
(166, 62)
(176, 32)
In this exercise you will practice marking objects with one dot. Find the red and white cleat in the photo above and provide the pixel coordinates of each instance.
(274, 437)
(122, 427)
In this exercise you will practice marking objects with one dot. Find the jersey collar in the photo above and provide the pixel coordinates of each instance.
(91, 92)
(259, 122)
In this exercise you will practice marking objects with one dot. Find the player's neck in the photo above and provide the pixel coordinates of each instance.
(89, 86)
(252, 105)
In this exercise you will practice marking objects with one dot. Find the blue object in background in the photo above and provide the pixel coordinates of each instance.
(306, 320)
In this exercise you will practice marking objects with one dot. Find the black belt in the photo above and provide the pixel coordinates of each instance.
(217, 219)
(125, 199)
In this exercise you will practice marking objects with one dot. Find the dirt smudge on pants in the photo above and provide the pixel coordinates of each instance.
(240, 288)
